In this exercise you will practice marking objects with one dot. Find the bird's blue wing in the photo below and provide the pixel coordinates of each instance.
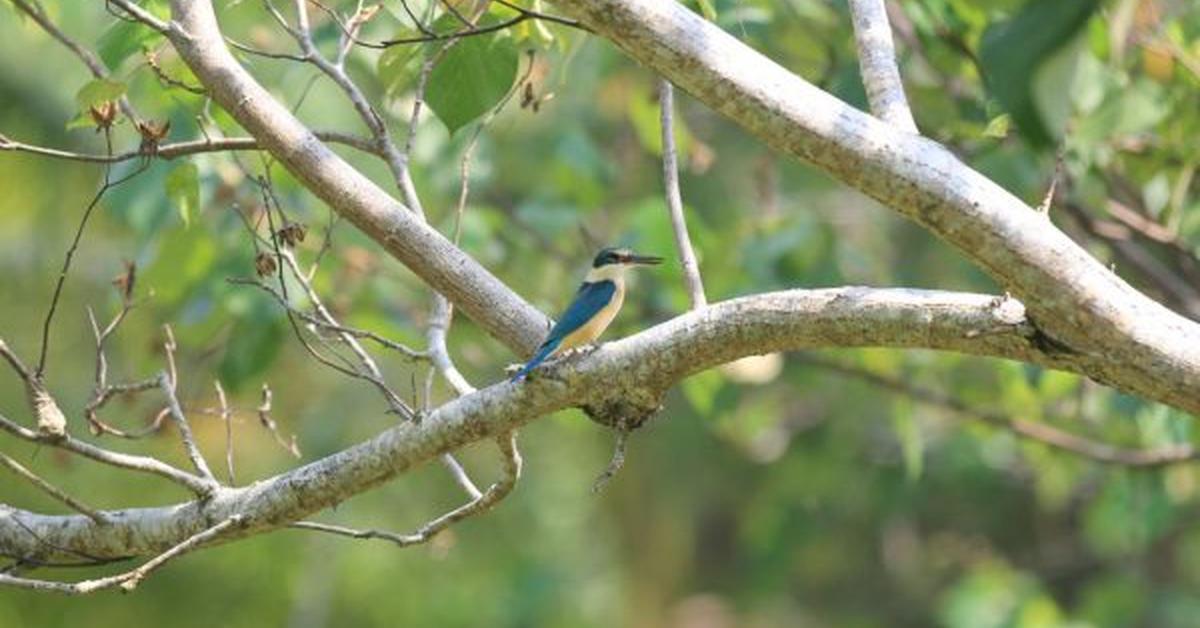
(589, 299)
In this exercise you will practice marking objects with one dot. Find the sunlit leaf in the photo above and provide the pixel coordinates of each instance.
(1012, 52)
(471, 79)
(122, 40)
(253, 345)
(99, 91)
(183, 189)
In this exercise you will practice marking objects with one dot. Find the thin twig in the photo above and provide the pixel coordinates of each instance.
(617, 461)
(109, 183)
(193, 483)
(321, 323)
(511, 462)
(683, 242)
(141, 15)
(168, 382)
(227, 418)
(89, 58)
(264, 418)
(178, 149)
(523, 14)
(51, 490)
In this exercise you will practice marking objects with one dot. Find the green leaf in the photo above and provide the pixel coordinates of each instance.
(98, 92)
(397, 67)
(253, 346)
(908, 435)
(707, 10)
(646, 117)
(183, 189)
(121, 41)
(471, 79)
(1012, 52)
(998, 127)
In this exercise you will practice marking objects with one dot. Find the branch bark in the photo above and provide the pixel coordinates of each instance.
(1082, 308)
(877, 62)
(633, 373)
(450, 271)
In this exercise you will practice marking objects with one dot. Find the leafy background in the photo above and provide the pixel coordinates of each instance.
(771, 492)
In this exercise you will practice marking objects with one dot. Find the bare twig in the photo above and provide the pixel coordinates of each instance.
(109, 183)
(51, 490)
(683, 242)
(168, 383)
(617, 461)
(1048, 199)
(372, 374)
(316, 321)
(141, 15)
(264, 418)
(427, 36)
(877, 59)
(14, 361)
(196, 484)
(50, 420)
(168, 80)
(495, 493)
(227, 418)
(89, 58)
(129, 580)
(177, 149)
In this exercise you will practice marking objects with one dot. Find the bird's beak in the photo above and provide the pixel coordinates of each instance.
(644, 260)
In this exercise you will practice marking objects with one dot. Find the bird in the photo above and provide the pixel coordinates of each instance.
(595, 305)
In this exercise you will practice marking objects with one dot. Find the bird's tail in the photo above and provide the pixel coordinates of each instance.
(543, 352)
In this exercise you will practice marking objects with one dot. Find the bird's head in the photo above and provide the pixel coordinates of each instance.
(614, 256)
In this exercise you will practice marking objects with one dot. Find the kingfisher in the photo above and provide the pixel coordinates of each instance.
(594, 307)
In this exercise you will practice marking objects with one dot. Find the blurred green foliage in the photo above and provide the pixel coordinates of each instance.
(768, 492)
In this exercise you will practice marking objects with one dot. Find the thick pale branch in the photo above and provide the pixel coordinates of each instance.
(1080, 306)
(634, 372)
(450, 271)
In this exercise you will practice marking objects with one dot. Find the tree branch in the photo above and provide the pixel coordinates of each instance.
(683, 242)
(1080, 306)
(130, 579)
(50, 489)
(877, 61)
(630, 375)
(177, 149)
(450, 271)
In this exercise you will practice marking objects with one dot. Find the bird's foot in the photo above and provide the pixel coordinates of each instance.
(581, 350)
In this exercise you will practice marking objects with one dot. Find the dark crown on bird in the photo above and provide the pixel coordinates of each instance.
(621, 255)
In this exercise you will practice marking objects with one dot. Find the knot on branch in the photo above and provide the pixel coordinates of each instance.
(626, 411)
(50, 419)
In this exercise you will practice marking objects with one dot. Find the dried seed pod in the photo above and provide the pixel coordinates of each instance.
(265, 264)
(103, 114)
(292, 233)
(125, 281)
